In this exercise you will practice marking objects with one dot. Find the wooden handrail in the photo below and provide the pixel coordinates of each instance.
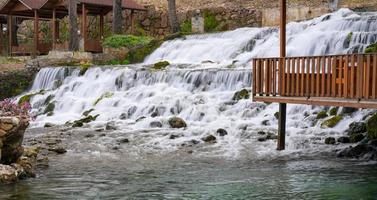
(338, 76)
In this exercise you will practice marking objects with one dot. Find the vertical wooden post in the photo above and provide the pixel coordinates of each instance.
(132, 22)
(101, 25)
(84, 24)
(10, 18)
(282, 106)
(36, 32)
(53, 28)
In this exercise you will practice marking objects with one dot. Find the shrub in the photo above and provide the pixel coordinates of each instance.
(186, 26)
(371, 48)
(9, 108)
(129, 41)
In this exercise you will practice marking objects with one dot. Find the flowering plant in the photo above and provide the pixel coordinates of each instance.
(9, 108)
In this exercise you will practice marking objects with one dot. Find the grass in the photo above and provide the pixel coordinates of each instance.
(129, 41)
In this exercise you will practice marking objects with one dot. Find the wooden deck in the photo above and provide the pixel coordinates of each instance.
(339, 80)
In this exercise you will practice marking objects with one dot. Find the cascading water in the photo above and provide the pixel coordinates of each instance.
(199, 86)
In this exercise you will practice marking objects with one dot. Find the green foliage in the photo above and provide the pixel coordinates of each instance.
(332, 122)
(371, 48)
(137, 55)
(27, 97)
(160, 65)
(103, 96)
(87, 119)
(84, 66)
(349, 37)
(117, 62)
(129, 41)
(243, 94)
(186, 26)
(372, 127)
(322, 115)
(210, 22)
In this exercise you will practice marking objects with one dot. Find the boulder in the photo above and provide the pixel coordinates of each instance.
(347, 110)
(176, 122)
(209, 139)
(363, 151)
(322, 115)
(332, 122)
(330, 140)
(344, 139)
(243, 94)
(356, 137)
(371, 126)
(222, 132)
(155, 124)
(357, 127)
(110, 126)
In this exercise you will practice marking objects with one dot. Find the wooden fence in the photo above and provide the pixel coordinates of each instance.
(339, 76)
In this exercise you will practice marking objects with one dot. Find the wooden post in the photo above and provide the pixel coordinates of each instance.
(53, 28)
(282, 106)
(132, 22)
(10, 17)
(36, 31)
(101, 26)
(84, 24)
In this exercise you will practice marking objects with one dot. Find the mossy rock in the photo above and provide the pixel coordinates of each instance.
(276, 115)
(372, 127)
(27, 97)
(332, 122)
(85, 120)
(356, 137)
(333, 111)
(138, 54)
(129, 41)
(87, 112)
(176, 122)
(322, 115)
(103, 96)
(49, 108)
(243, 94)
(48, 99)
(371, 48)
(330, 140)
(160, 65)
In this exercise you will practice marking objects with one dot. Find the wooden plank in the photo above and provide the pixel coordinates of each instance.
(262, 85)
(302, 61)
(257, 77)
(353, 83)
(254, 63)
(282, 76)
(374, 76)
(346, 81)
(328, 76)
(323, 76)
(359, 76)
(312, 77)
(333, 76)
(274, 81)
(307, 78)
(318, 76)
(367, 78)
(288, 67)
(340, 77)
(293, 88)
(297, 60)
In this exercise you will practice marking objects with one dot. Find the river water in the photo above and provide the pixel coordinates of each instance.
(205, 73)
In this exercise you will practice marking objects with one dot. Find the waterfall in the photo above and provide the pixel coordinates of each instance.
(205, 73)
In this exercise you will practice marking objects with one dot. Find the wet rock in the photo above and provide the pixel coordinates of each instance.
(155, 124)
(85, 120)
(89, 135)
(356, 137)
(209, 139)
(333, 111)
(243, 94)
(49, 125)
(123, 140)
(276, 115)
(332, 122)
(271, 136)
(77, 124)
(160, 65)
(123, 116)
(86, 113)
(371, 126)
(110, 126)
(347, 110)
(330, 140)
(49, 108)
(266, 122)
(222, 132)
(173, 136)
(261, 133)
(58, 150)
(373, 143)
(364, 151)
(99, 130)
(344, 139)
(176, 122)
(140, 119)
(357, 127)
(262, 139)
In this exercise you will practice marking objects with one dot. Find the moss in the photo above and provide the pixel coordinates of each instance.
(160, 65)
(332, 122)
(129, 41)
(333, 111)
(87, 112)
(50, 114)
(48, 99)
(84, 66)
(137, 55)
(27, 97)
(371, 48)
(243, 94)
(117, 62)
(186, 26)
(322, 115)
(85, 120)
(103, 96)
(372, 127)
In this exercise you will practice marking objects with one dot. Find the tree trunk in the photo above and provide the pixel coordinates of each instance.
(73, 27)
(117, 17)
(173, 19)
(15, 27)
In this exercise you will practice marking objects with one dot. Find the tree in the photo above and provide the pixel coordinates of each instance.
(117, 16)
(73, 26)
(173, 19)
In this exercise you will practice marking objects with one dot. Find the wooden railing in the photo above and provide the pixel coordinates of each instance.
(93, 45)
(339, 76)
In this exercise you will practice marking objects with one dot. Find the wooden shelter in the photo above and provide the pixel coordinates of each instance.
(51, 10)
(337, 80)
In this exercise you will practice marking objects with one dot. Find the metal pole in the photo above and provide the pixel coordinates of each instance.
(282, 106)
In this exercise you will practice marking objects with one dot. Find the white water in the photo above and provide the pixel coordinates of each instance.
(201, 93)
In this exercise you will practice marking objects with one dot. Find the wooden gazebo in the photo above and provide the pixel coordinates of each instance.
(51, 10)
(337, 80)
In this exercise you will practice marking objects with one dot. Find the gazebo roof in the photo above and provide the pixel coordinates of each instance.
(23, 7)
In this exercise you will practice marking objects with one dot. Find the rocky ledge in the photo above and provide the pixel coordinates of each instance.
(16, 162)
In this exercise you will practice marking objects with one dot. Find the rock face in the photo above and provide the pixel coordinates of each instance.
(11, 136)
